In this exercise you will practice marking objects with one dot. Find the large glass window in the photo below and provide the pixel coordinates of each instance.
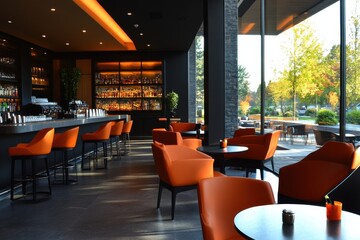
(352, 69)
(249, 67)
(302, 68)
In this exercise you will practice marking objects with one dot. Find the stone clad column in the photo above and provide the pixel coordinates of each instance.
(220, 68)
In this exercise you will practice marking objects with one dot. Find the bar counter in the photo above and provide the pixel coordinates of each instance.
(58, 123)
(12, 134)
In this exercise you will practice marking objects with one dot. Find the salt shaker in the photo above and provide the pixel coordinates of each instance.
(288, 216)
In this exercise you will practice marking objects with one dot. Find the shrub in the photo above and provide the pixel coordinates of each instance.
(326, 117)
(353, 117)
(311, 112)
(288, 114)
(254, 110)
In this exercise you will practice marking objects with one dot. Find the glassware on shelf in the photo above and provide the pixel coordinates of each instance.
(129, 86)
(130, 77)
(107, 92)
(107, 78)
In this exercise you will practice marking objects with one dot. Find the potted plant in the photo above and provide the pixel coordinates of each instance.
(70, 78)
(172, 99)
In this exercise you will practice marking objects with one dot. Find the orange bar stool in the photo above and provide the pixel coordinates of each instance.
(65, 142)
(116, 133)
(101, 135)
(38, 148)
(126, 135)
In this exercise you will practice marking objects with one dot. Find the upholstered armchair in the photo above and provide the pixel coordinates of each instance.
(180, 168)
(182, 126)
(261, 149)
(242, 131)
(309, 180)
(174, 138)
(221, 198)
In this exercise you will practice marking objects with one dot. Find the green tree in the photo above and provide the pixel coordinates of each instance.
(353, 61)
(243, 83)
(332, 76)
(199, 71)
(304, 72)
(243, 90)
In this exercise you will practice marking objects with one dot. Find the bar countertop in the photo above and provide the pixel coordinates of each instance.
(57, 123)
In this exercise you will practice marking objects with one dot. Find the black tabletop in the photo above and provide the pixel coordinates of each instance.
(216, 149)
(265, 222)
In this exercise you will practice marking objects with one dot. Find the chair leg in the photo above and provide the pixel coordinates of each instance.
(82, 155)
(48, 174)
(12, 179)
(272, 164)
(159, 195)
(262, 173)
(33, 175)
(173, 200)
(105, 153)
(118, 154)
(66, 167)
(23, 175)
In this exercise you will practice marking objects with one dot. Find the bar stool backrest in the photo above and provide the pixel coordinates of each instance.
(117, 128)
(66, 139)
(40, 145)
(103, 131)
(127, 127)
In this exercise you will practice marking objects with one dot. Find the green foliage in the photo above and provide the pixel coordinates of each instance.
(326, 117)
(199, 70)
(243, 83)
(353, 117)
(288, 114)
(70, 78)
(254, 110)
(311, 112)
(172, 100)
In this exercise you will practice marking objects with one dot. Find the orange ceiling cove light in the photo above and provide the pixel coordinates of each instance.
(98, 13)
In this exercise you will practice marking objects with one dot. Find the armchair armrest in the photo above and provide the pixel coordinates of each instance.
(193, 143)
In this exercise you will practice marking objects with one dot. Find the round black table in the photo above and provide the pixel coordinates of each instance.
(218, 153)
(265, 222)
(193, 133)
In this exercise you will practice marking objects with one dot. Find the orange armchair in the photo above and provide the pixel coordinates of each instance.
(180, 169)
(242, 131)
(261, 149)
(182, 126)
(309, 180)
(174, 138)
(221, 198)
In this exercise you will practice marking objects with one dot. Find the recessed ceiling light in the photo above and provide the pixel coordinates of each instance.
(44, 36)
(148, 45)
(136, 25)
(67, 44)
(100, 43)
(141, 34)
(129, 13)
(9, 21)
(84, 30)
(52, 9)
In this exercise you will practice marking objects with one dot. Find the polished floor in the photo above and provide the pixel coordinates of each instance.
(116, 203)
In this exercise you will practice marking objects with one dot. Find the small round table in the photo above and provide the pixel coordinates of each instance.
(265, 222)
(193, 133)
(218, 153)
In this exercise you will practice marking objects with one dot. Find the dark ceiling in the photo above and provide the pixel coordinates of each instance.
(167, 25)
